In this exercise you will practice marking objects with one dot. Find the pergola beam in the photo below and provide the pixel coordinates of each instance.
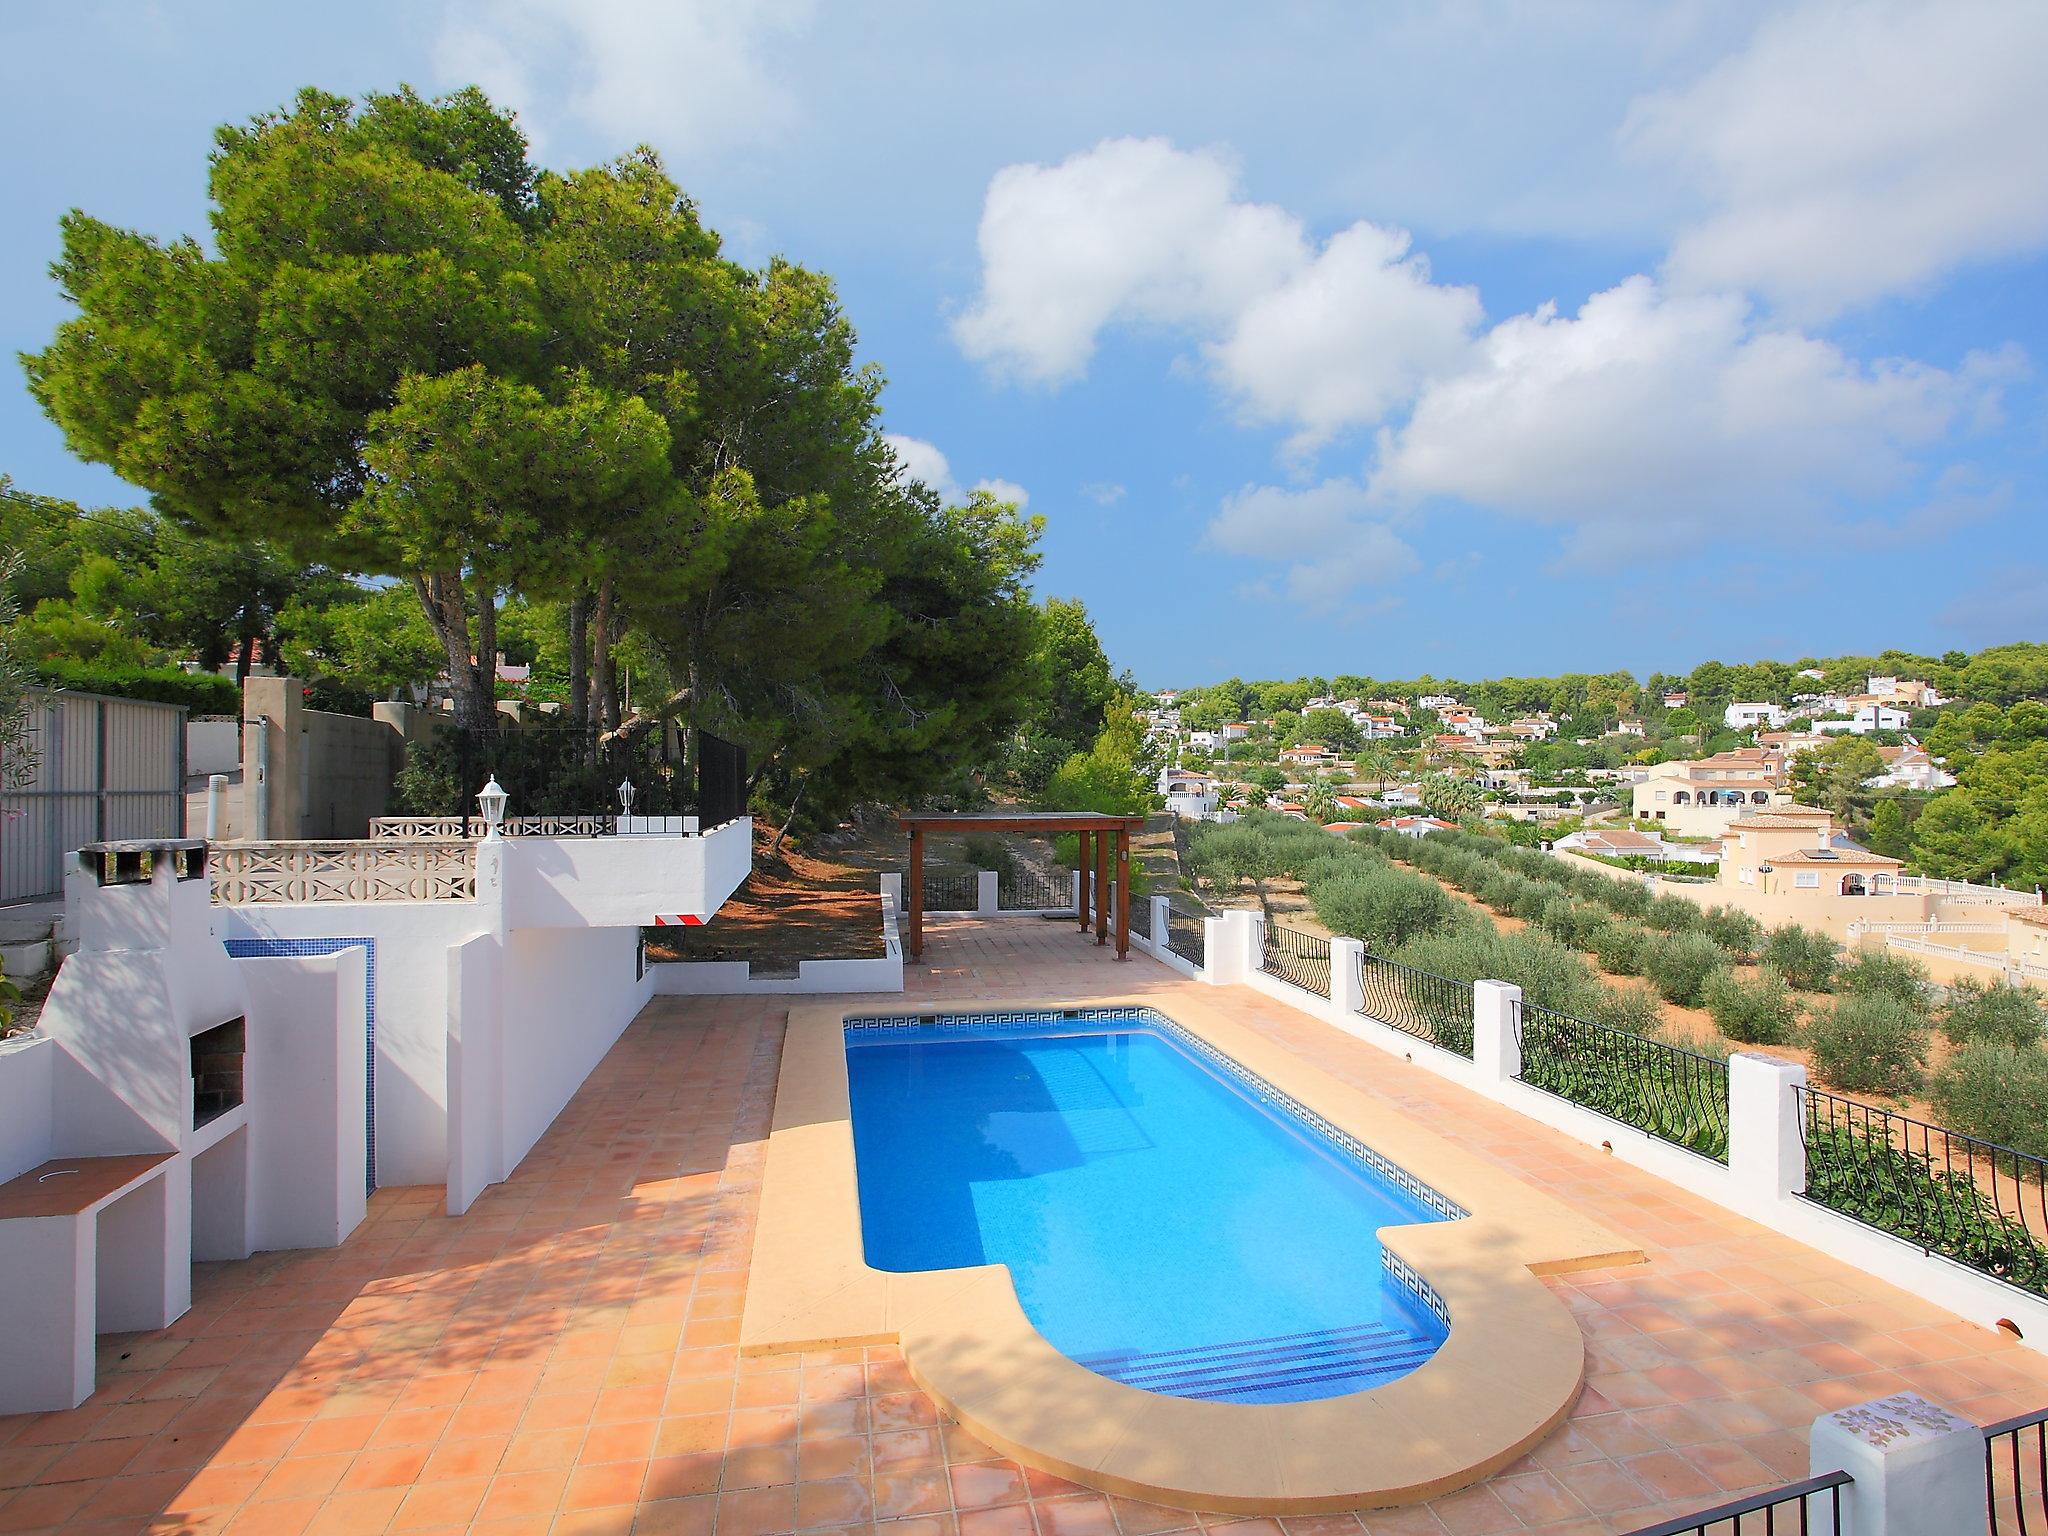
(1095, 831)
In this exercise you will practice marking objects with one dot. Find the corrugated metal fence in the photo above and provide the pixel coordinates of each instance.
(106, 769)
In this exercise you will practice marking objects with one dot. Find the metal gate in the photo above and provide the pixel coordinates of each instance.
(105, 769)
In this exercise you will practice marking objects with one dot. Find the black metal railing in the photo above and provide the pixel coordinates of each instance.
(1028, 890)
(1187, 936)
(1798, 1509)
(951, 893)
(1297, 958)
(1420, 1003)
(1973, 1201)
(1141, 917)
(2016, 1474)
(721, 781)
(1676, 1095)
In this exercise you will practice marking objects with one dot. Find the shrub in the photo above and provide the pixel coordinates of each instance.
(987, 850)
(1886, 973)
(1758, 1011)
(1534, 898)
(1620, 946)
(1870, 1042)
(1733, 929)
(1382, 906)
(1995, 1011)
(1679, 965)
(1996, 1091)
(1626, 897)
(1673, 914)
(1805, 958)
(1501, 890)
(200, 692)
(1632, 1009)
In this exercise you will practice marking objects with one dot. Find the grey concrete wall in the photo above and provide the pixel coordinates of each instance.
(308, 773)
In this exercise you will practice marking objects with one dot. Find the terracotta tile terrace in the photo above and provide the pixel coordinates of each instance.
(562, 1359)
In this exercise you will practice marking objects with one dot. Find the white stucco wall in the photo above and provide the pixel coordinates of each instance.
(412, 941)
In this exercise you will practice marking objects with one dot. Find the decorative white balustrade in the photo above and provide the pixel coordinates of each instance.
(438, 829)
(246, 874)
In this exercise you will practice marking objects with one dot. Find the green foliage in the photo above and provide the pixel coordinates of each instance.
(1449, 797)
(376, 639)
(18, 760)
(1378, 904)
(1621, 947)
(1680, 965)
(1805, 957)
(1996, 1011)
(200, 692)
(1869, 1042)
(1886, 973)
(1734, 930)
(1995, 1091)
(1757, 1010)
(1071, 673)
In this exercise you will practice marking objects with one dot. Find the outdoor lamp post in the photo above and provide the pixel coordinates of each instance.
(491, 801)
(626, 794)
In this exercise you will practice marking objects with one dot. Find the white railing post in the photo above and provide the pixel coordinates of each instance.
(1918, 1469)
(1074, 889)
(892, 888)
(1496, 1044)
(985, 893)
(1162, 921)
(1230, 946)
(1766, 1144)
(1347, 981)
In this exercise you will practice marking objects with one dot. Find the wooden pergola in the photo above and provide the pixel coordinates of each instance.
(1095, 830)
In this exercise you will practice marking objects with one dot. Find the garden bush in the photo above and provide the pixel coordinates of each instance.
(1870, 1042)
(1620, 946)
(1673, 914)
(1734, 930)
(1680, 964)
(1995, 1091)
(1632, 1009)
(1501, 890)
(1996, 1011)
(1886, 973)
(1755, 1010)
(1379, 905)
(1804, 957)
(1625, 897)
(1535, 896)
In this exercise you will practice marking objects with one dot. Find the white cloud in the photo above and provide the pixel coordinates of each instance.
(1331, 537)
(1136, 232)
(1655, 424)
(917, 459)
(1349, 338)
(1104, 493)
(1005, 490)
(690, 76)
(1853, 150)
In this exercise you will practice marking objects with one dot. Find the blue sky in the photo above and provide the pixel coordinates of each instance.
(1328, 338)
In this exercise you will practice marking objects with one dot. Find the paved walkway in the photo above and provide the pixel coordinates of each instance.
(561, 1359)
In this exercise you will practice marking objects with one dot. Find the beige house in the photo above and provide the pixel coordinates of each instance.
(1779, 851)
(1701, 798)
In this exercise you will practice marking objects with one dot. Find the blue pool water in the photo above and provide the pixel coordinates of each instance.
(1167, 1221)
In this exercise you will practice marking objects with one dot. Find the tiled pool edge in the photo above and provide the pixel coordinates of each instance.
(1508, 1375)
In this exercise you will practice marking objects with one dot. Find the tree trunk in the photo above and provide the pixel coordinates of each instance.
(603, 673)
(446, 606)
(487, 647)
(775, 847)
(579, 658)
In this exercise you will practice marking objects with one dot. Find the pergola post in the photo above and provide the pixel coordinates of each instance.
(1123, 893)
(917, 893)
(1101, 889)
(1084, 840)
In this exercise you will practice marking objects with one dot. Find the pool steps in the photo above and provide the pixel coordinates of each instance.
(1273, 1369)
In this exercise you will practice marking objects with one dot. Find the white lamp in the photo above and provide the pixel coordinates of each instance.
(491, 801)
(626, 794)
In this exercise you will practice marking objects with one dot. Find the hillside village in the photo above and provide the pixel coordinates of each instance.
(1801, 806)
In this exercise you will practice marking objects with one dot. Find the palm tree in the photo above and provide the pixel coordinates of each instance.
(1320, 803)
(1380, 764)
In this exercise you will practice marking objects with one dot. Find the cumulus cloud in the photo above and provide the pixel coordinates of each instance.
(1332, 539)
(917, 459)
(1854, 150)
(1657, 422)
(689, 75)
(1136, 232)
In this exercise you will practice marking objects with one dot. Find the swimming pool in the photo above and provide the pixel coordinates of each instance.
(1168, 1219)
